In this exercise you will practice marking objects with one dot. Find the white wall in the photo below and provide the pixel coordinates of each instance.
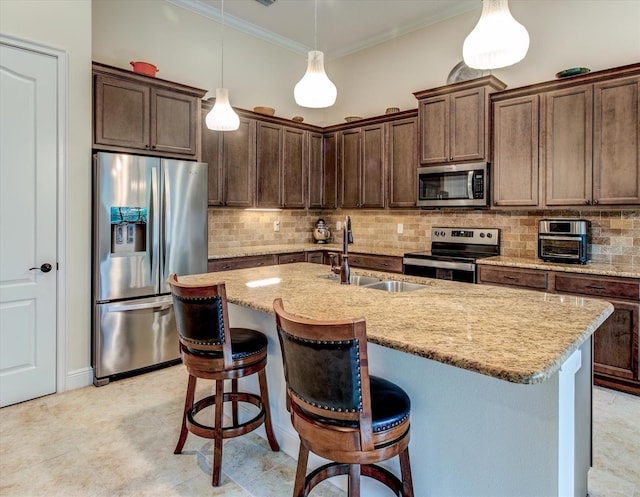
(66, 25)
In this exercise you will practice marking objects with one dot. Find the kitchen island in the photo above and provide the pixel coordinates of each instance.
(499, 378)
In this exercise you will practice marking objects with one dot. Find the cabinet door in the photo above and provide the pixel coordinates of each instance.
(616, 144)
(567, 146)
(330, 171)
(212, 155)
(294, 166)
(373, 166)
(402, 162)
(515, 153)
(174, 121)
(316, 182)
(268, 160)
(239, 164)
(615, 345)
(350, 168)
(121, 113)
(467, 125)
(434, 130)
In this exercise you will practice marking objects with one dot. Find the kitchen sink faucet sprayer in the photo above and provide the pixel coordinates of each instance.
(343, 269)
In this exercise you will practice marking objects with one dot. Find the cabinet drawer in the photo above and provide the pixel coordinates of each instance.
(527, 278)
(240, 262)
(315, 257)
(293, 257)
(598, 286)
(381, 263)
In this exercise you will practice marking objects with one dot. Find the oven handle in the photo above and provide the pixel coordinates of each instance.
(463, 266)
(565, 238)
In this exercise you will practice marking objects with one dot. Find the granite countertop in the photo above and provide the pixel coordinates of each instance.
(597, 268)
(520, 336)
(301, 247)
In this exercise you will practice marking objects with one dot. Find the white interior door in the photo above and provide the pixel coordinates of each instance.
(28, 223)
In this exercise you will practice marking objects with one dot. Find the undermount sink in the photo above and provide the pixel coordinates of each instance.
(377, 283)
(395, 286)
(355, 279)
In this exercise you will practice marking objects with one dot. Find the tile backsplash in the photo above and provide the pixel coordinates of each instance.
(615, 233)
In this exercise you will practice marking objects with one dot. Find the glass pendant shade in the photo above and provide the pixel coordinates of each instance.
(315, 89)
(222, 117)
(498, 40)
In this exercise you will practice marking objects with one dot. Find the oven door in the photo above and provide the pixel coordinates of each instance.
(442, 270)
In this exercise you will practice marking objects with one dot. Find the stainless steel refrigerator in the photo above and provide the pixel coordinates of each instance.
(149, 220)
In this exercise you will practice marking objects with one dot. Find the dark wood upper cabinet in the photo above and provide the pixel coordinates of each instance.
(362, 166)
(454, 121)
(295, 163)
(139, 113)
(282, 162)
(616, 141)
(402, 161)
(239, 164)
(232, 164)
(515, 167)
(268, 164)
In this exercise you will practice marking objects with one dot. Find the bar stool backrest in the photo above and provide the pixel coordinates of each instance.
(202, 318)
(326, 369)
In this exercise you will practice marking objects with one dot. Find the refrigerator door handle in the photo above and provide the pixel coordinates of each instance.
(154, 202)
(136, 307)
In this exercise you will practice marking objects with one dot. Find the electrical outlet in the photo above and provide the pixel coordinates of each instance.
(339, 225)
(276, 225)
(400, 228)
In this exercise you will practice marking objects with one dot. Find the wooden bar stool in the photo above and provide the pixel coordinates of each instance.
(210, 349)
(340, 412)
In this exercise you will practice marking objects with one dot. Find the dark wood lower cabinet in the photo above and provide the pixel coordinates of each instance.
(616, 361)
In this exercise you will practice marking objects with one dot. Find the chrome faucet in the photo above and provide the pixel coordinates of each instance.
(343, 269)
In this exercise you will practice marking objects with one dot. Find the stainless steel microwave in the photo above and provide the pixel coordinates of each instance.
(454, 185)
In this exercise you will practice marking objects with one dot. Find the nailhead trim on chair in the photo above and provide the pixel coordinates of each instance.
(331, 342)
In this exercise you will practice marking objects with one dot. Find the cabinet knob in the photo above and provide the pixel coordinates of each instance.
(587, 202)
(596, 202)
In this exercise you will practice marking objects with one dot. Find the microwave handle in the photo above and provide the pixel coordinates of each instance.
(470, 176)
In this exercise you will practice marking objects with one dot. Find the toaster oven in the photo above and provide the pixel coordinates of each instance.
(564, 240)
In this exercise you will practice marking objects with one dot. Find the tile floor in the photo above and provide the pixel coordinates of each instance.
(118, 440)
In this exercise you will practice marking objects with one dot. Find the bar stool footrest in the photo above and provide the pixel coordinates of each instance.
(233, 430)
(330, 470)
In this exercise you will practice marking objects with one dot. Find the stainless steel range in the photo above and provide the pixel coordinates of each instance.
(453, 253)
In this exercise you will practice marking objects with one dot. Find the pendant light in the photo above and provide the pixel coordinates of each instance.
(315, 89)
(222, 117)
(498, 40)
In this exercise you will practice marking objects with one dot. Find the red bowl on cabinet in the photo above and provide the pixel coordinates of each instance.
(144, 68)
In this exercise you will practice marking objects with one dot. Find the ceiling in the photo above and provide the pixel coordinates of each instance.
(344, 26)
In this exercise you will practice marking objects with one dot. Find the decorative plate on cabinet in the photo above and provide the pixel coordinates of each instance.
(574, 71)
(462, 72)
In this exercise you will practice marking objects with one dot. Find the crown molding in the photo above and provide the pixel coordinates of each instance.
(241, 25)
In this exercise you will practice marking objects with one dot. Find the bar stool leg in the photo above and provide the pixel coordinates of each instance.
(188, 402)
(217, 447)
(264, 395)
(405, 470)
(353, 483)
(301, 471)
(234, 403)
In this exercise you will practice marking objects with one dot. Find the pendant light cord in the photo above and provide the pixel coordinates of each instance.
(315, 26)
(222, 50)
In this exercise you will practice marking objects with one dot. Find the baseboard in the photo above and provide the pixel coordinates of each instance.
(77, 379)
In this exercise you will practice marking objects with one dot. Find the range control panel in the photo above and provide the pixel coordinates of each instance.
(476, 236)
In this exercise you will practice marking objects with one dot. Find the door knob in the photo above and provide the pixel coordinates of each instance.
(45, 268)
